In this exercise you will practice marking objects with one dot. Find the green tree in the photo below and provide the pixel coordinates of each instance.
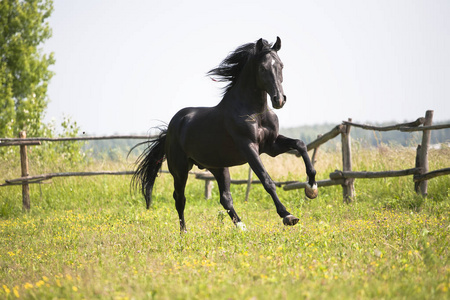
(7, 113)
(24, 69)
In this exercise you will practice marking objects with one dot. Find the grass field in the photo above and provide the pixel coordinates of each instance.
(91, 238)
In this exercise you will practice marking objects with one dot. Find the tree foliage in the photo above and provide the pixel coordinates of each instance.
(24, 69)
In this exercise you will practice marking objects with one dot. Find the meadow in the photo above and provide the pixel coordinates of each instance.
(92, 238)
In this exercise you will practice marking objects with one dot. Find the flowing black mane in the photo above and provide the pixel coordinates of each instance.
(230, 68)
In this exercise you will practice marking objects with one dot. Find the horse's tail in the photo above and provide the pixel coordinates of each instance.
(148, 165)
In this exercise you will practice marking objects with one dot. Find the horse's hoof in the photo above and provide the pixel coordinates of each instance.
(290, 220)
(311, 191)
(241, 226)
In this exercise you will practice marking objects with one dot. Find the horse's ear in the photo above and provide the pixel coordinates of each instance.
(277, 45)
(259, 45)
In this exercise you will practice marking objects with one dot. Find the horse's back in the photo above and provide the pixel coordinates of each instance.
(190, 122)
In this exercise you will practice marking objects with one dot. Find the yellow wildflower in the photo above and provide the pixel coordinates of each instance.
(7, 291)
(16, 291)
(28, 286)
(40, 283)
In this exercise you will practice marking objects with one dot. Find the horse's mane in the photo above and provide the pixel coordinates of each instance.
(230, 68)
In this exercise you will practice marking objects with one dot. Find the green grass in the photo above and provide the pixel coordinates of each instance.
(91, 238)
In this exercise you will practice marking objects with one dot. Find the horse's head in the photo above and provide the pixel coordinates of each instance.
(270, 72)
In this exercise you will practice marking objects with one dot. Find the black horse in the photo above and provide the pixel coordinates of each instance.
(234, 132)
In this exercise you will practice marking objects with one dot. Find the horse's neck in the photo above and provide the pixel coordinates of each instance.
(246, 95)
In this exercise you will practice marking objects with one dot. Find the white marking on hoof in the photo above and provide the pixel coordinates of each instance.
(314, 187)
(241, 226)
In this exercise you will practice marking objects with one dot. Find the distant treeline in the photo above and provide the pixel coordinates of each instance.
(113, 149)
(118, 149)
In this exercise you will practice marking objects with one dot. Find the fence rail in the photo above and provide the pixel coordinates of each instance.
(79, 138)
(414, 124)
(371, 175)
(37, 141)
(39, 178)
(344, 177)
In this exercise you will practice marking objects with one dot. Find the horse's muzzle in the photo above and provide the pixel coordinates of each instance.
(278, 102)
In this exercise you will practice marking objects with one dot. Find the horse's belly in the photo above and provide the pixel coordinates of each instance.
(214, 153)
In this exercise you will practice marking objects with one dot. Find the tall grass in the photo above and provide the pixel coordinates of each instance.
(91, 238)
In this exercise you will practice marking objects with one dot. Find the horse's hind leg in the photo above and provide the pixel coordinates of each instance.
(222, 176)
(180, 176)
(180, 201)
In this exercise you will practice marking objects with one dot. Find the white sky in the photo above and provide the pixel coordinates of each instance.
(123, 65)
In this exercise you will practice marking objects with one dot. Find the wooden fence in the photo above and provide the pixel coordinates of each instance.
(26, 179)
(345, 178)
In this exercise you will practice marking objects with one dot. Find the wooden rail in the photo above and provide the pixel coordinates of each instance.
(80, 138)
(326, 137)
(320, 183)
(370, 175)
(423, 128)
(432, 174)
(39, 178)
(414, 124)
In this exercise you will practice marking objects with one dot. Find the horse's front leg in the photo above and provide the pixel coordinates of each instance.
(252, 154)
(283, 144)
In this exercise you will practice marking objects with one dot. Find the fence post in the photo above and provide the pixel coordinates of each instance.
(348, 187)
(208, 188)
(417, 184)
(24, 167)
(423, 153)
